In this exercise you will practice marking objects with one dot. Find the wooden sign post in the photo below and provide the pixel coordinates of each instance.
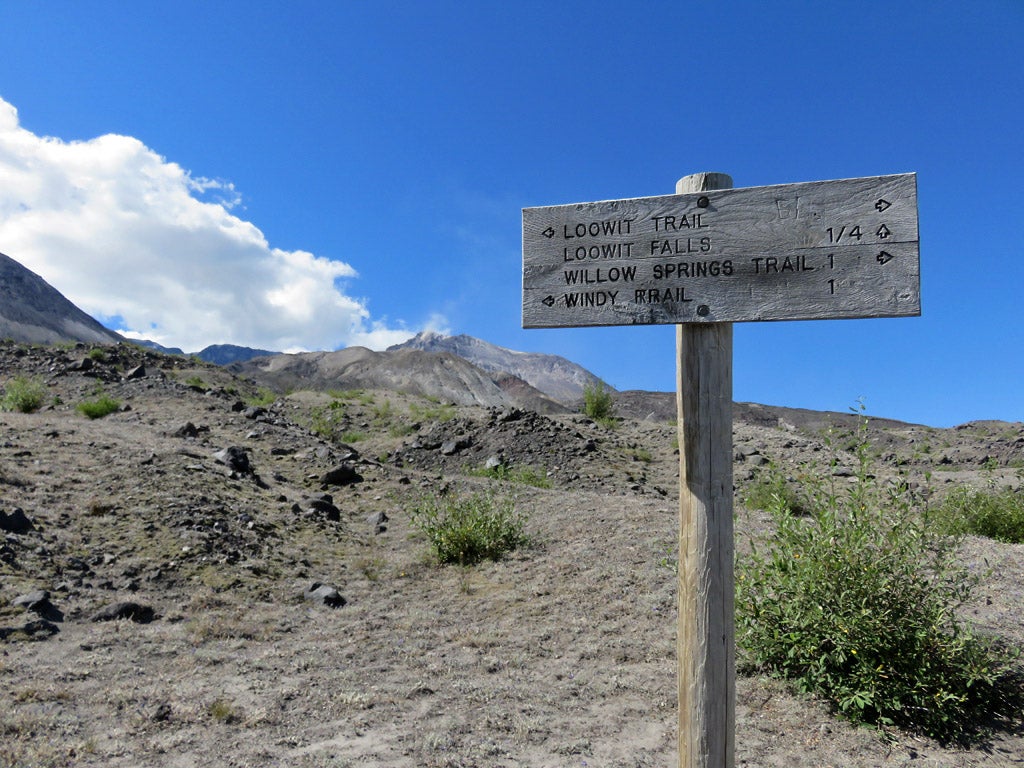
(704, 258)
(705, 634)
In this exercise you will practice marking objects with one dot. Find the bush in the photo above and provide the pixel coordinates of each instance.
(23, 395)
(98, 408)
(996, 514)
(468, 529)
(856, 602)
(598, 403)
(771, 490)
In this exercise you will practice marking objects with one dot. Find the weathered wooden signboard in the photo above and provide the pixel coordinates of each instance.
(702, 259)
(816, 250)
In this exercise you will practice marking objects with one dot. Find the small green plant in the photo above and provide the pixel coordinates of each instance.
(263, 396)
(23, 395)
(524, 475)
(994, 513)
(97, 355)
(856, 600)
(599, 403)
(466, 529)
(102, 406)
(195, 381)
(770, 490)
(223, 711)
(437, 411)
(327, 421)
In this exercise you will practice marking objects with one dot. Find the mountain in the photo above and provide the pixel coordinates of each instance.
(440, 375)
(553, 375)
(32, 311)
(225, 354)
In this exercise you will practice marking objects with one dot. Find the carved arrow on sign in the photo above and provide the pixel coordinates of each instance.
(882, 204)
(549, 232)
(884, 257)
(549, 301)
(883, 232)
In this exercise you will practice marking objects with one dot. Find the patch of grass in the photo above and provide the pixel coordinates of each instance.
(358, 395)
(327, 421)
(23, 395)
(353, 436)
(99, 407)
(771, 490)
(98, 355)
(224, 711)
(263, 397)
(437, 411)
(467, 529)
(856, 602)
(524, 475)
(642, 454)
(995, 513)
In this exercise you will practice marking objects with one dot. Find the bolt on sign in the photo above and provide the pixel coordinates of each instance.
(846, 248)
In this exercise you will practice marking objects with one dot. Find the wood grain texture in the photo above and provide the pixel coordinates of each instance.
(706, 656)
(815, 250)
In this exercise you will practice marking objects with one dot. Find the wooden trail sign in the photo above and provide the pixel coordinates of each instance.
(704, 258)
(815, 250)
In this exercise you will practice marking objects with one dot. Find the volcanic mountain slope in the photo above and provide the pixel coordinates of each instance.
(213, 575)
(553, 375)
(33, 311)
(443, 376)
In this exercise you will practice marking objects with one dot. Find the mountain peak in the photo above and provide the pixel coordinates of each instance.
(551, 374)
(33, 311)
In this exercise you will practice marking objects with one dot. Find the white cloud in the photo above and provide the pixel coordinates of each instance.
(122, 232)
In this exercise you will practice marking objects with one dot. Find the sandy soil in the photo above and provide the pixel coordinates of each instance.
(562, 654)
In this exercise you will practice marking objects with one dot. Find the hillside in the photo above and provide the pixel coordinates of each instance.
(438, 375)
(214, 519)
(33, 311)
(553, 375)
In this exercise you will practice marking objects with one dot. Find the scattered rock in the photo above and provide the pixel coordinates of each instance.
(235, 458)
(39, 629)
(33, 601)
(138, 372)
(379, 522)
(137, 612)
(324, 594)
(451, 447)
(188, 429)
(323, 507)
(16, 522)
(344, 474)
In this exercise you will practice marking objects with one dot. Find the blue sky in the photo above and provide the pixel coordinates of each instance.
(309, 175)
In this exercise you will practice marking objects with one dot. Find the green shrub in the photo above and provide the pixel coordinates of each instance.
(263, 396)
(98, 408)
(598, 403)
(996, 514)
(23, 395)
(328, 421)
(437, 411)
(771, 490)
(468, 529)
(855, 601)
